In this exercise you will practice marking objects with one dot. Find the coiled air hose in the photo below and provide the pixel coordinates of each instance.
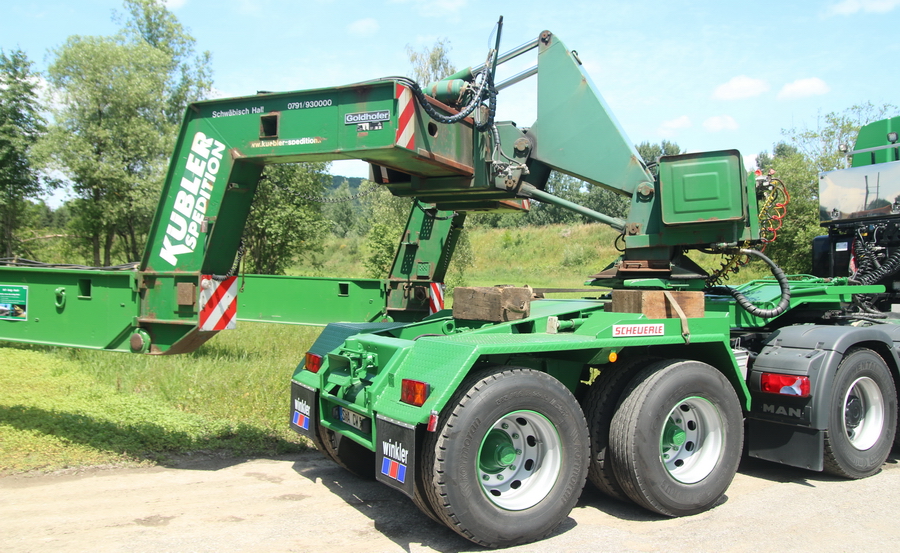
(888, 268)
(742, 300)
(484, 92)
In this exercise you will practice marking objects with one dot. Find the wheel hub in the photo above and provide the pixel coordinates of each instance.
(497, 453)
(864, 413)
(853, 412)
(519, 460)
(673, 435)
(691, 440)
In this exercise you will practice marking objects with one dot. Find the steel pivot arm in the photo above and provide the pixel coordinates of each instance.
(698, 201)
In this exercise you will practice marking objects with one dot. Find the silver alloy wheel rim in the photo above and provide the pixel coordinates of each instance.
(862, 413)
(692, 440)
(519, 460)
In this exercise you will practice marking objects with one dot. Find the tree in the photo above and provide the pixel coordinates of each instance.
(791, 249)
(283, 221)
(188, 76)
(339, 212)
(797, 162)
(821, 145)
(387, 215)
(431, 64)
(606, 202)
(20, 127)
(111, 137)
(565, 187)
(122, 99)
(652, 152)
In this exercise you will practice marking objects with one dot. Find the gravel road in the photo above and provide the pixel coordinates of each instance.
(306, 503)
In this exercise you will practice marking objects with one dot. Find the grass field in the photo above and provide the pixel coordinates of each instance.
(67, 408)
(62, 408)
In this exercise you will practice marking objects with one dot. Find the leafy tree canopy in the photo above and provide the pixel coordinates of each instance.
(21, 125)
(797, 161)
(431, 64)
(284, 221)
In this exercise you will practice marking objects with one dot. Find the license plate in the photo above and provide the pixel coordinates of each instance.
(355, 420)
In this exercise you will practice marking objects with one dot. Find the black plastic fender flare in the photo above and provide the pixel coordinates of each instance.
(816, 351)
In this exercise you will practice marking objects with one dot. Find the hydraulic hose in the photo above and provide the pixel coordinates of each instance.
(779, 275)
(888, 268)
(482, 93)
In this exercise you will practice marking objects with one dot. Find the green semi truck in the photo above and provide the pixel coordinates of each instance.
(491, 416)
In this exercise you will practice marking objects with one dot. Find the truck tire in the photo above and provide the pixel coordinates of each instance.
(420, 497)
(599, 407)
(863, 411)
(346, 453)
(676, 438)
(509, 458)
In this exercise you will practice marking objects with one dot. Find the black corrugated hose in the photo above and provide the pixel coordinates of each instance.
(742, 300)
(888, 268)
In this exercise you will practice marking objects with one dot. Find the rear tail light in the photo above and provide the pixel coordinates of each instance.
(414, 392)
(785, 384)
(313, 362)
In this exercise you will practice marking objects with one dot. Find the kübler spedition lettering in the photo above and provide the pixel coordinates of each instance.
(191, 201)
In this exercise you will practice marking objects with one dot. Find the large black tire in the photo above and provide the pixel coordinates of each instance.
(863, 415)
(420, 497)
(509, 458)
(345, 452)
(599, 407)
(676, 437)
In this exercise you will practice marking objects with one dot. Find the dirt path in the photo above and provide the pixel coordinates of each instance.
(305, 503)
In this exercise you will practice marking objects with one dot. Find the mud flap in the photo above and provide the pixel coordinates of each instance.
(304, 410)
(395, 454)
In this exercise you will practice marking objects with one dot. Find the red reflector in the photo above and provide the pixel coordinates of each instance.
(785, 384)
(313, 362)
(432, 421)
(413, 392)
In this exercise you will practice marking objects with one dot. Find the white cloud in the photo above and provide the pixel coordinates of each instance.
(739, 87)
(174, 4)
(363, 27)
(668, 128)
(720, 123)
(803, 88)
(750, 161)
(851, 7)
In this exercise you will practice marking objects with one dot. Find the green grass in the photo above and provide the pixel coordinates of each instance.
(66, 408)
(553, 256)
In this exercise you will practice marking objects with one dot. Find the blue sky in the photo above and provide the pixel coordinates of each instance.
(709, 75)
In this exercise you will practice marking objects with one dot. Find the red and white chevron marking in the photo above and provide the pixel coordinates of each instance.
(435, 298)
(218, 303)
(406, 121)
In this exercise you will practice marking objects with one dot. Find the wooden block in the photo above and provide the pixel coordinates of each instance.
(654, 305)
(493, 304)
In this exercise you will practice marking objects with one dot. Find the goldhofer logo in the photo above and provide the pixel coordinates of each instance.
(187, 214)
(367, 117)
